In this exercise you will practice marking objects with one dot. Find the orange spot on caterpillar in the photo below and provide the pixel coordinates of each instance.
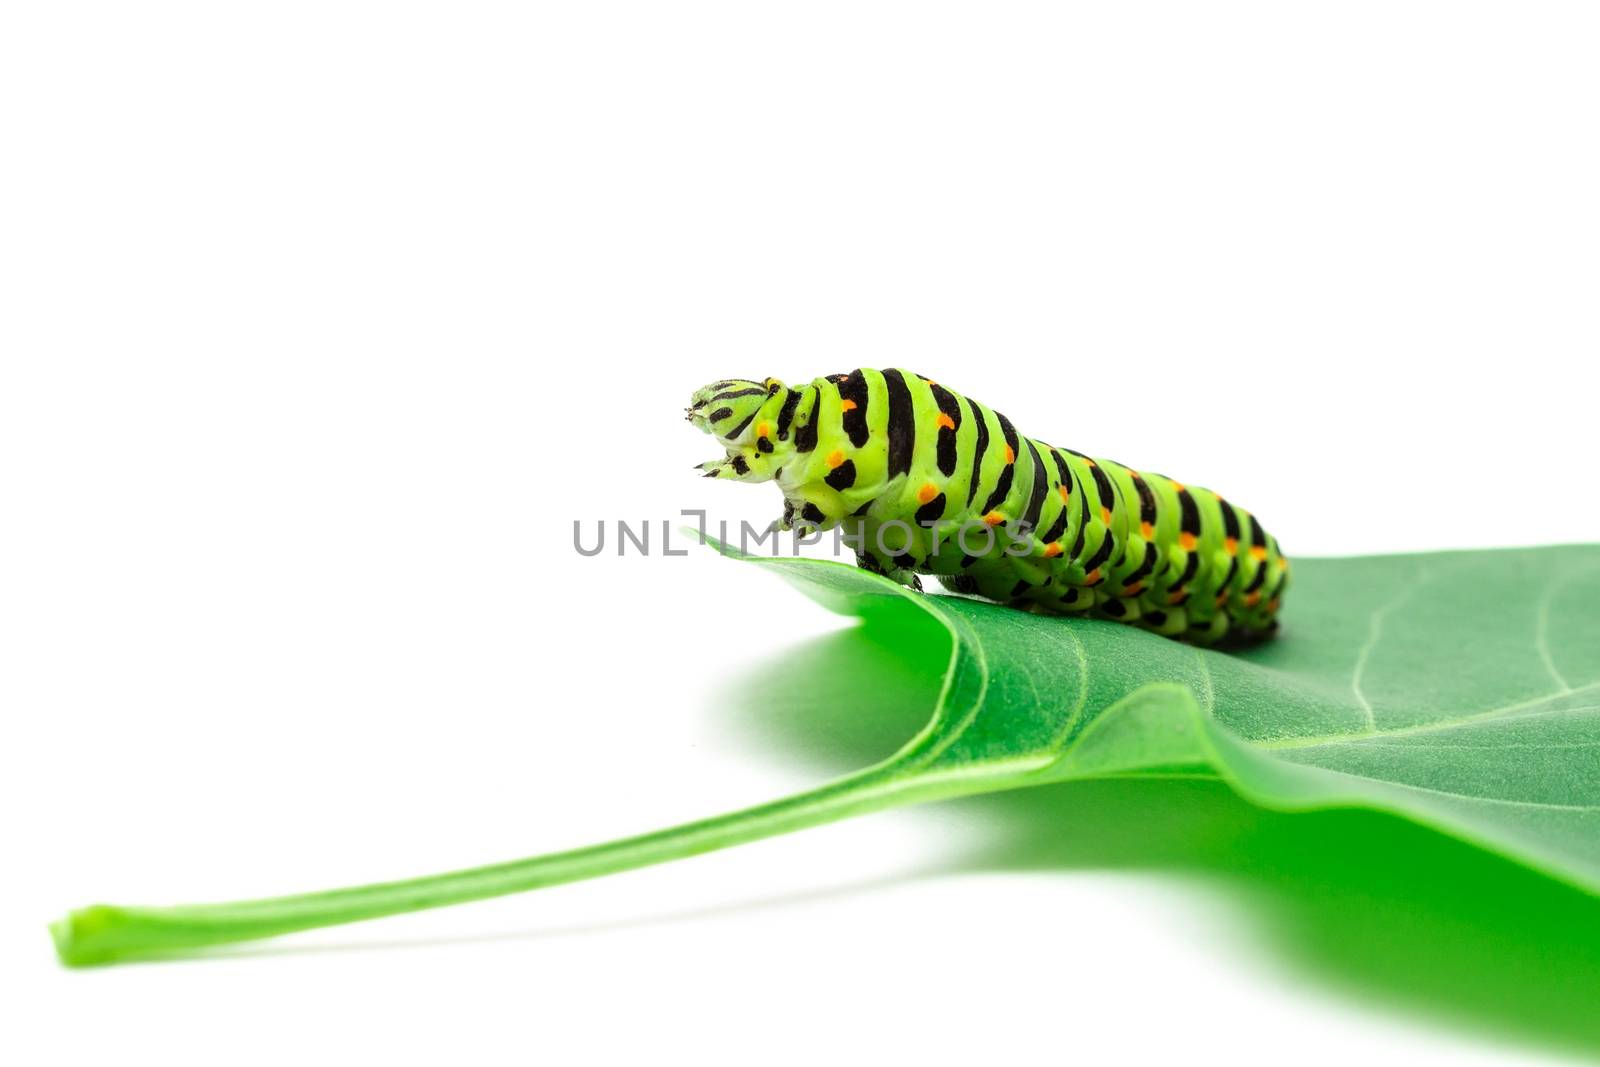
(1011, 454)
(1179, 486)
(945, 422)
(1052, 550)
(1176, 596)
(1105, 516)
(994, 518)
(1066, 494)
(1272, 605)
(1258, 552)
(927, 492)
(847, 405)
(1231, 546)
(763, 429)
(1222, 598)
(1186, 541)
(835, 458)
(842, 378)
(1092, 578)
(1146, 531)
(1252, 599)
(1132, 590)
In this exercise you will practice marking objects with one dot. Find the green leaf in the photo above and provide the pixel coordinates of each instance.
(1461, 690)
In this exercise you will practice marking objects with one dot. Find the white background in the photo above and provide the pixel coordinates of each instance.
(323, 322)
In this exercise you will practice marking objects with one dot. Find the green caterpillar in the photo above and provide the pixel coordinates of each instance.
(925, 480)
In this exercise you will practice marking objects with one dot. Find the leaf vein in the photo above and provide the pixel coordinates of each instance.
(1374, 633)
(1439, 724)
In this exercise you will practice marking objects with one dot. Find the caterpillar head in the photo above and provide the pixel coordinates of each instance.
(743, 416)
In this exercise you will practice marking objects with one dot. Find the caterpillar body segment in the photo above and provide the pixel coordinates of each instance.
(925, 480)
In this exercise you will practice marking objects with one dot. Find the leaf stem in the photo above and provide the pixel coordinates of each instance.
(105, 933)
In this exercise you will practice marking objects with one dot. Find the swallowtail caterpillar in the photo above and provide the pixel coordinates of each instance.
(923, 479)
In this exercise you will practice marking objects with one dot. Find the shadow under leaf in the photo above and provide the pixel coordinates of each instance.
(1384, 911)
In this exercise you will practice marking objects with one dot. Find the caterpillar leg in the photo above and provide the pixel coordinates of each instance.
(965, 584)
(785, 522)
(908, 578)
(1168, 622)
(735, 467)
(1120, 608)
(1207, 631)
(1248, 633)
(1074, 599)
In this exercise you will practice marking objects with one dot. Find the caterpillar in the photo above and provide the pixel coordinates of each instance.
(924, 480)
